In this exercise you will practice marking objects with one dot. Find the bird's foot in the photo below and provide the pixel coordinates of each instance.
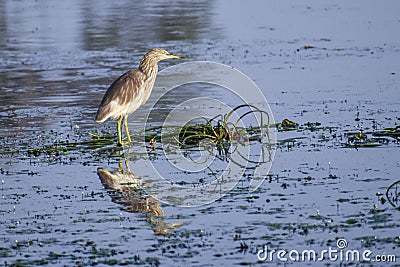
(124, 144)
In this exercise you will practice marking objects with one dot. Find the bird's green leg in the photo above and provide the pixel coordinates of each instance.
(119, 131)
(126, 129)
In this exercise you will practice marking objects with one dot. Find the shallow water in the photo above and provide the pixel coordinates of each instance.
(333, 63)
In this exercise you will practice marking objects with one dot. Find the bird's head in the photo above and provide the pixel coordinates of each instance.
(149, 62)
(160, 54)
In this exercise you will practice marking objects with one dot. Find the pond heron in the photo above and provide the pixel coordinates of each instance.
(131, 90)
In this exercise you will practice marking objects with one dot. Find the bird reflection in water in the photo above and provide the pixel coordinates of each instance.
(126, 189)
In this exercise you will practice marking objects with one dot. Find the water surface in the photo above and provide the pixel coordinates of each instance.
(333, 63)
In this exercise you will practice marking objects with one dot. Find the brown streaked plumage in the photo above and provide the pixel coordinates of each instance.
(131, 90)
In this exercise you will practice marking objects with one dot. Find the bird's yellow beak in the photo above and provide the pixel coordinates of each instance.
(173, 56)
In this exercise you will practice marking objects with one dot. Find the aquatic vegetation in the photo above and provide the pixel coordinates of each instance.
(222, 129)
(361, 139)
(287, 125)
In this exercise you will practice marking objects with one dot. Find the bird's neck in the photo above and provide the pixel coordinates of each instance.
(149, 66)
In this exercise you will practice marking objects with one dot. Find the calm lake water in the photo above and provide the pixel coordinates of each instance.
(332, 67)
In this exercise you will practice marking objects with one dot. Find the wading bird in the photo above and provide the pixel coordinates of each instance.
(131, 90)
